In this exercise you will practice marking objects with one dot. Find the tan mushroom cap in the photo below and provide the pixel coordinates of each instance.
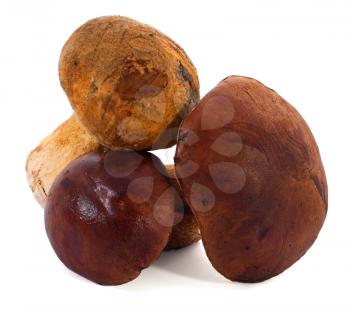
(129, 84)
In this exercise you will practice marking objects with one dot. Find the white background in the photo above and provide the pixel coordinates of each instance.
(299, 48)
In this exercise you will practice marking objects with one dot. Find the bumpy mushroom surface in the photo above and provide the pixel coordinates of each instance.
(185, 230)
(109, 214)
(129, 84)
(251, 171)
(69, 141)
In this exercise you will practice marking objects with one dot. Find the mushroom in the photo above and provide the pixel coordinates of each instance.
(185, 229)
(69, 141)
(109, 214)
(129, 84)
(251, 171)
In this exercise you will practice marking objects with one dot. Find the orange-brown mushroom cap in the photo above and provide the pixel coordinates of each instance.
(129, 84)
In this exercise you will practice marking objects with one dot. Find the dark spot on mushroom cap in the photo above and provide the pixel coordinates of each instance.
(65, 183)
(263, 232)
(139, 80)
(183, 72)
(205, 201)
(183, 135)
(321, 189)
(93, 87)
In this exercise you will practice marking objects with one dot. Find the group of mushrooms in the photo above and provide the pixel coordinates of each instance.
(247, 177)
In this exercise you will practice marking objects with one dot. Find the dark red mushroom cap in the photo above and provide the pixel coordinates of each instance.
(251, 171)
(109, 214)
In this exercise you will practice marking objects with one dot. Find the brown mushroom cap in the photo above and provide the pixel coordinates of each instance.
(68, 142)
(129, 84)
(185, 230)
(109, 214)
(251, 171)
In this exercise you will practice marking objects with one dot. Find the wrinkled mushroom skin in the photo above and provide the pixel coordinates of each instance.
(185, 230)
(109, 215)
(129, 84)
(251, 171)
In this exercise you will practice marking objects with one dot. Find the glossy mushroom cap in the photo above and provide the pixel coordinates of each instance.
(109, 214)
